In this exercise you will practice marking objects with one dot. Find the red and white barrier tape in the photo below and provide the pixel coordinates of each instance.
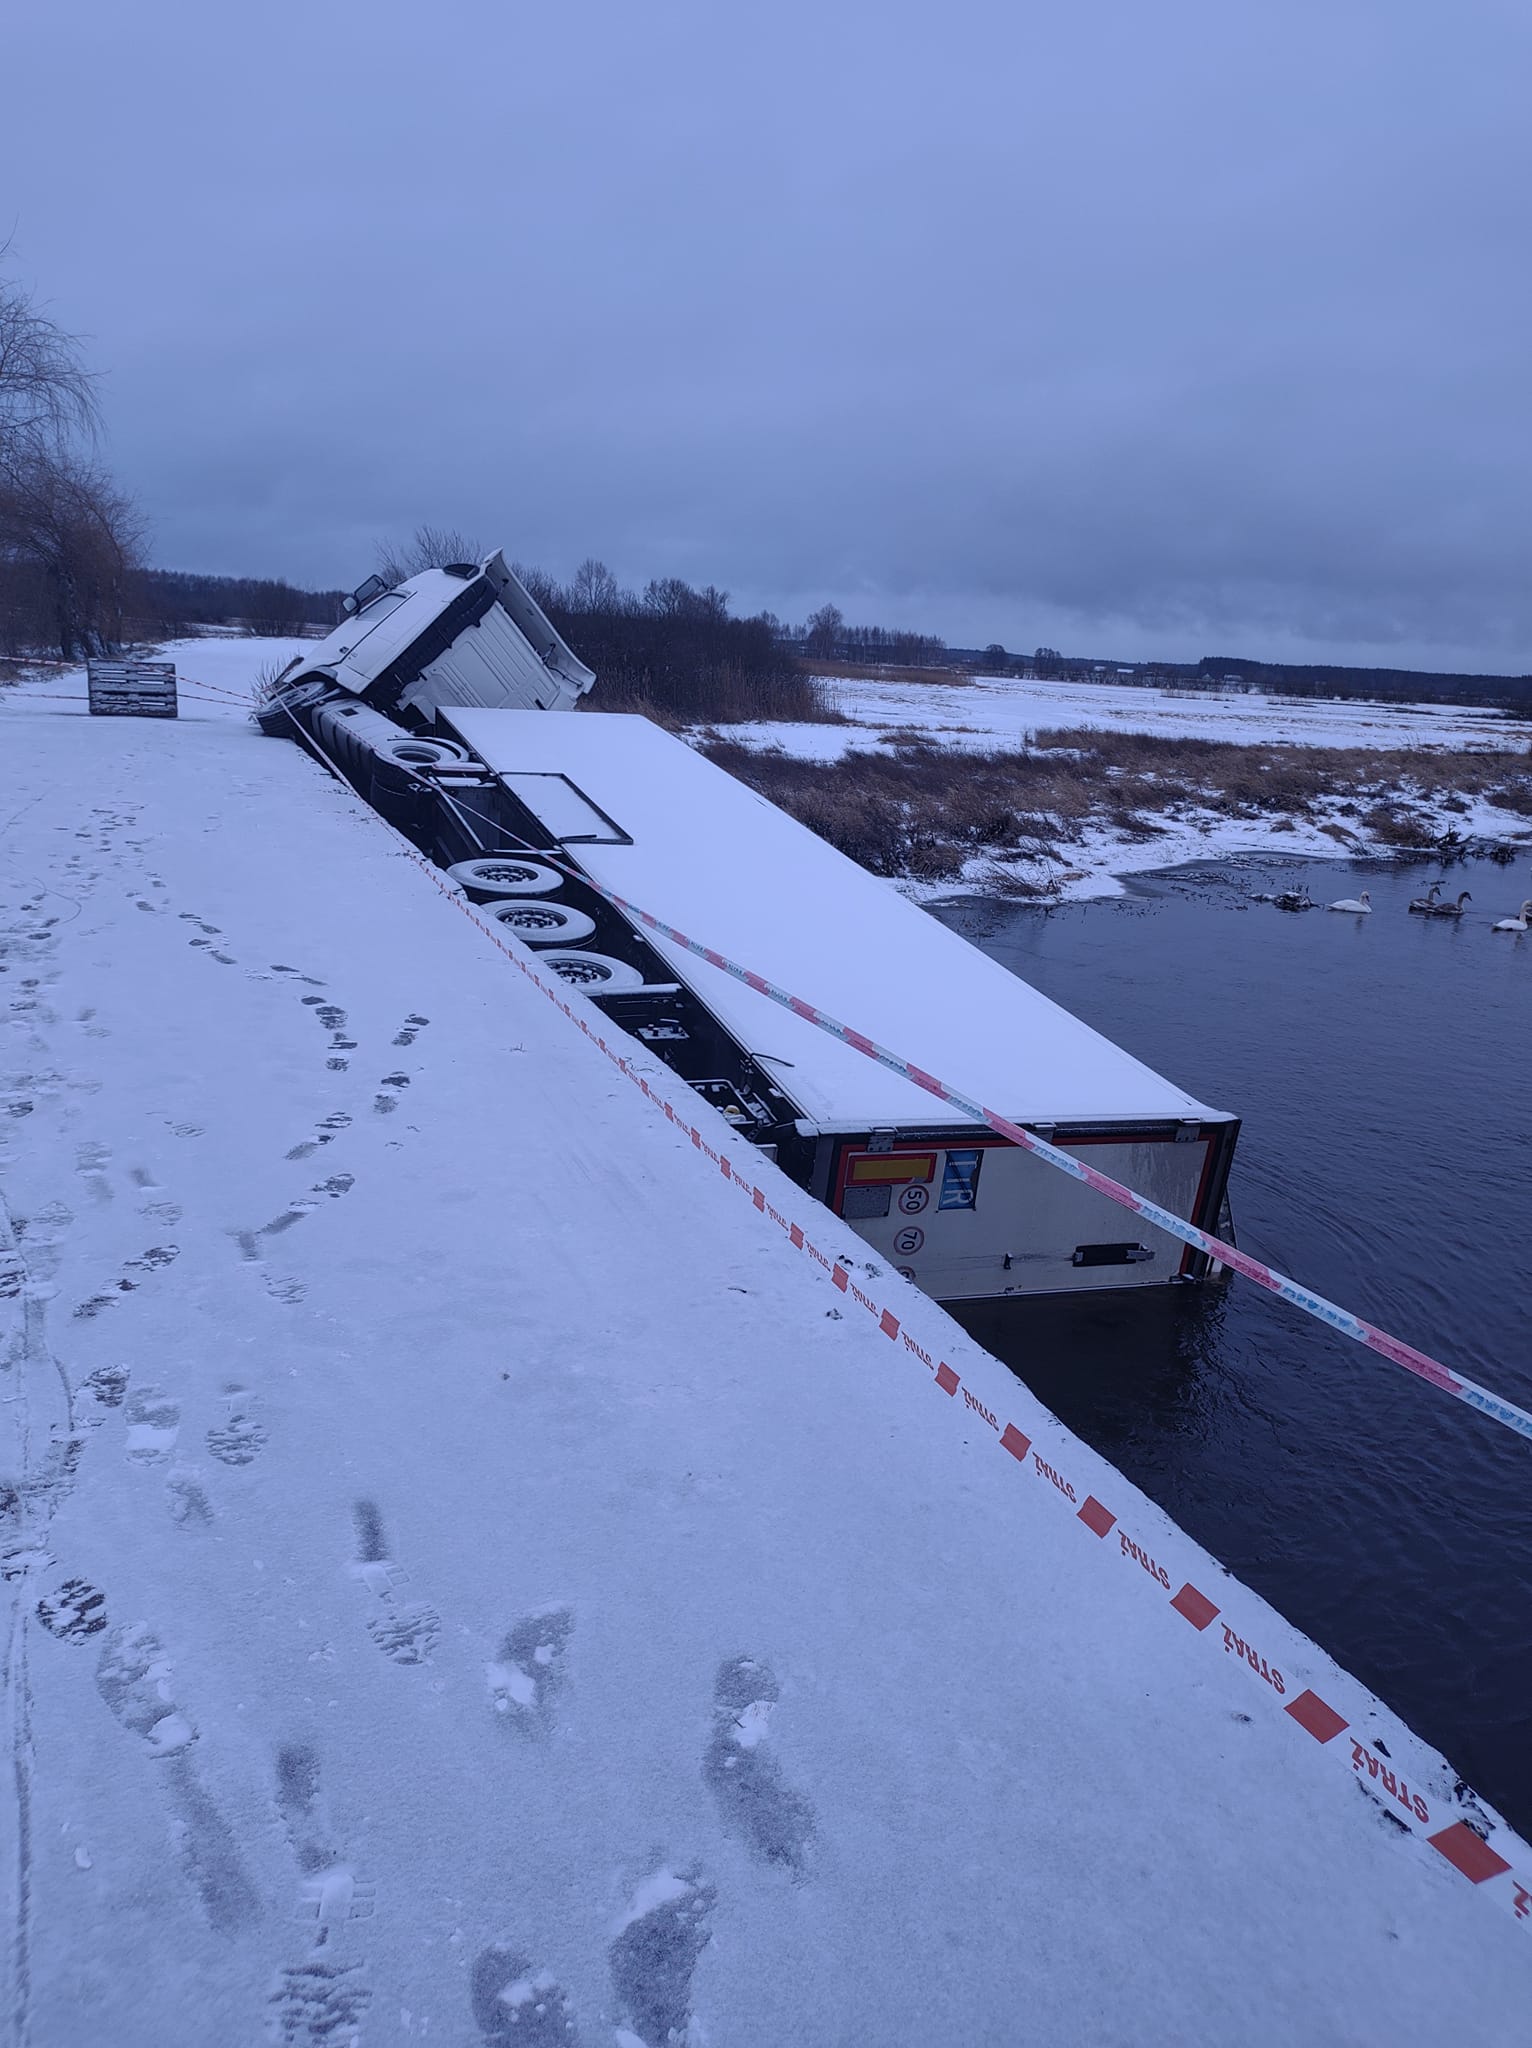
(1426, 1798)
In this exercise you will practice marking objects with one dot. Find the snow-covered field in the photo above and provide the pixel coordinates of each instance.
(987, 713)
(470, 1579)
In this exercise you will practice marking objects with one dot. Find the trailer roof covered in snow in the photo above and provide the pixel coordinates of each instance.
(733, 872)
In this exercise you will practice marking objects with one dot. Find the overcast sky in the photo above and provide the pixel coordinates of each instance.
(1199, 327)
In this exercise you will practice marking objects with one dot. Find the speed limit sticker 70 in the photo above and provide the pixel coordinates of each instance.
(909, 1240)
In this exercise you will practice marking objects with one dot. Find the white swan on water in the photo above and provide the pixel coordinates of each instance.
(1519, 923)
(1361, 905)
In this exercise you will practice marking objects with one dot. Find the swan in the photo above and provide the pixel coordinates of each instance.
(1519, 923)
(1360, 905)
(1452, 909)
(1423, 906)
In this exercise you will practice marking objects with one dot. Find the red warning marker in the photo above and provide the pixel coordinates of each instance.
(1014, 1442)
(1316, 1717)
(888, 1323)
(1193, 1606)
(1468, 1852)
(1099, 1520)
(946, 1379)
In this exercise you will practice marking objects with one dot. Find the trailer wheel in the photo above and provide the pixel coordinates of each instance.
(543, 924)
(418, 752)
(505, 874)
(594, 974)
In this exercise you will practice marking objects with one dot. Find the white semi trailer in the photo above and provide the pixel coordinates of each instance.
(537, 811)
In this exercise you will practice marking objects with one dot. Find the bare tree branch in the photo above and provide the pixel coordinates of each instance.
(47, 396)
(430, 547)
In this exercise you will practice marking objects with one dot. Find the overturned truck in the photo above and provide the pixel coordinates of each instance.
(448, 704)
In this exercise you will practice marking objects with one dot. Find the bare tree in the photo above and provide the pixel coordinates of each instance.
(70, 547)
(594, 588)
(429, 547)
(70, 541)
(825, 629)
(47, 396)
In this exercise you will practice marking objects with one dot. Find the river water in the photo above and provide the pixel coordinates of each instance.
(1380, 1068)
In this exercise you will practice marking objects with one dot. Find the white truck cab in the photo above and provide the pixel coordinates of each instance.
(469, 634)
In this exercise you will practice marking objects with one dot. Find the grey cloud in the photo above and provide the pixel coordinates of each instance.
(1168, 331)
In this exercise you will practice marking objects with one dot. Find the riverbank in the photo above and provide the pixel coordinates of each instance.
(1070, 812)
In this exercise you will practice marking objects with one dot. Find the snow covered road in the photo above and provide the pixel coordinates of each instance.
(470, 1580)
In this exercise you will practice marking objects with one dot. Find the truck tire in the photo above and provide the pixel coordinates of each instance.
(416, 751)
(505, 874)
(543, 924)
(593, 974)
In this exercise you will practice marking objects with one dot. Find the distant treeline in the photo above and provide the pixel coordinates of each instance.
(1235, 672)
(827, 637)
(173, 598)
(675, 652)
(1404, 685)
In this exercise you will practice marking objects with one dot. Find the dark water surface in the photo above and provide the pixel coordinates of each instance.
(1381, 1067)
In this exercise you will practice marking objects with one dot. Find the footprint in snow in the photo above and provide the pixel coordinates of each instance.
(152, 1199)
(331, 1894)
(154, 1423)
(319, 2002)
(410, 1029)
(742, 1772)
(134, 1677)
(300, 1802)
(385, 1104)
(107, 1385)
(337, 1185)
(91, 1163)
(327, 1130)
(526, 1677)
(239, 1439)
(515, 2003)
(406, 1632)
(74, 1611)
(189, 1504)
(157, 1256)
(654, 1952)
